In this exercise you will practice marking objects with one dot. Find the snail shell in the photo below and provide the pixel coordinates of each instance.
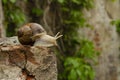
(27, 31)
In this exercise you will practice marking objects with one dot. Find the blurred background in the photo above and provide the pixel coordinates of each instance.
(89, 48)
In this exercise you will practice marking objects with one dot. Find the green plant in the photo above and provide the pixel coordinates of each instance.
(79, 66)
(113, 0)
(76, 68)
(14, 16)
(78, 52)
(86, 50)
(37, 11)
(117, 24)
(72, 19)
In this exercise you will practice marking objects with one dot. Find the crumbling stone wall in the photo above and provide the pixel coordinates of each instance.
(19, 62)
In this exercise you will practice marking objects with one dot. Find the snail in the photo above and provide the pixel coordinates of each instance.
(34, 34)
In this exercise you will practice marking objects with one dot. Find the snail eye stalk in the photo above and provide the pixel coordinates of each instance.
(58, 36)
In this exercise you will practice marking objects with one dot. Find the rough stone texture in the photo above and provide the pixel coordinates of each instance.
(10, 73)
(9, 41)
(18, 62)
(105, 38)
(113, 9)
(47, 64)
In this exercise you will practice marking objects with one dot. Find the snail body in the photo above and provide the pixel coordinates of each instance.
(34, 34)
(46, 40)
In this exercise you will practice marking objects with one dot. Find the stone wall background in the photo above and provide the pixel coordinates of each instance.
(105, 38)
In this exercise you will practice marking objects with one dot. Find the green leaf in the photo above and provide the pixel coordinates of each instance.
(78, 72)
(117, 24)
(113, 0)
(12, 1)
(72, 75)
(76, 1)
(92, 75)
(61, 1)
(11, 16)
(37, 11)
(4, 1)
